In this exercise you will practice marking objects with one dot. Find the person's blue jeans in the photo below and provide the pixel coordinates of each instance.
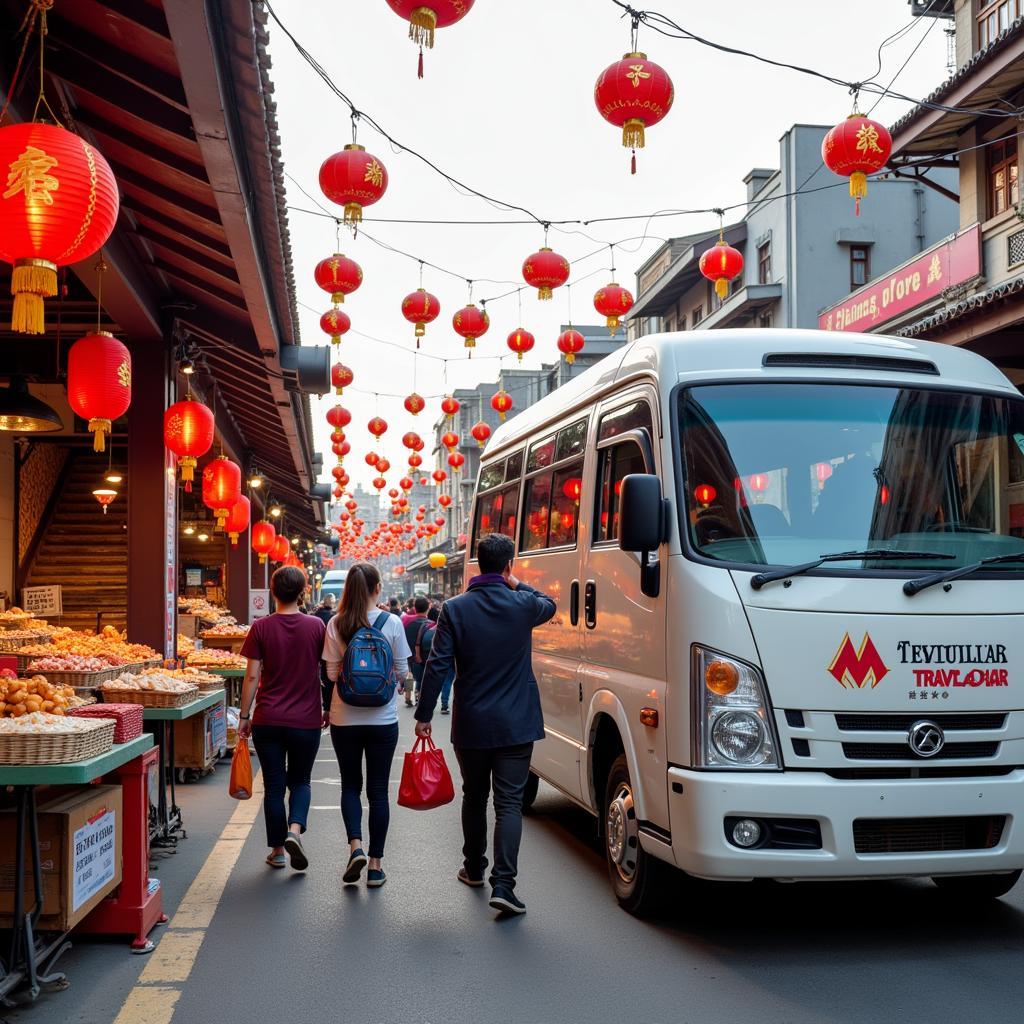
(446, 689)
(417, 674)
(286, 758)
(377, 744)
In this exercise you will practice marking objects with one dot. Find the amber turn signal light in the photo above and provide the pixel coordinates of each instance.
(721, 677)
(649, 717)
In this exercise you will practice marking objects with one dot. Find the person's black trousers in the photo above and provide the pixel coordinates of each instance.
(506, 770)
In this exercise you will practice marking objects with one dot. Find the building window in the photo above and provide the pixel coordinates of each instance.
(860, 266)
(994, 18)
(698, 315)
(1002, 176)
(764, 263)
(765, 319)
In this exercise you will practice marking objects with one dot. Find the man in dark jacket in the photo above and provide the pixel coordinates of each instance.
(485, 636)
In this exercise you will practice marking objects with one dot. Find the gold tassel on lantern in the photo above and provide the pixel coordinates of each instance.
(32, 281)
(612, 323)
(570, 358)
(858, 188)
(633, 134)
(222, 516)
(188, 464)
(353, 213)
(422, 23)
(99, 429)
(544, 292)
(722, 288)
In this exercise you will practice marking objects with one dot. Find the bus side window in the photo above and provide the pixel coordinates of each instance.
(616, 462)
(551, 507)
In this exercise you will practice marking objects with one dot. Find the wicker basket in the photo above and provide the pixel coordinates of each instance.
(18, 622)
(79, 680)
(57, 748)
(9, 644)
(150, 698)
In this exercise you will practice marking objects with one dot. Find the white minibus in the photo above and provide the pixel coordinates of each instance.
(789, 569)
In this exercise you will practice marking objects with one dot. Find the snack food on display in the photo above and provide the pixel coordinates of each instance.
(185, 644)
(39, 723)
(109, 645)
(189, 675)
(19, 697)
(215, 659)
(226, 629)
(158, 682)
(69, 662)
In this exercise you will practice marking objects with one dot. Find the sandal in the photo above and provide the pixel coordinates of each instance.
(276, 860)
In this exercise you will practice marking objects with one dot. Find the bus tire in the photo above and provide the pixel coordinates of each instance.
(635, 875)
(977, 887)
(530, 792)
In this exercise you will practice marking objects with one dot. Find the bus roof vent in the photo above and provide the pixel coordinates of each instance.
(850, 361)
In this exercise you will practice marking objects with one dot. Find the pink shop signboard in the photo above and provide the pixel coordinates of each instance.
(918, 281)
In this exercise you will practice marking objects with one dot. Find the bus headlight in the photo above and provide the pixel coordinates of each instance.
(732, 723)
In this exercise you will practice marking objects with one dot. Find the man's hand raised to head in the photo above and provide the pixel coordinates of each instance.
(422, 730)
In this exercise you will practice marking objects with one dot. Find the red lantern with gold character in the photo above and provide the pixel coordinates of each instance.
(426, 16)
(450, 440)
(58, 205)
(633, 94)
(444, 500)
(481, 432)
(380, 483)
(410, 440)
(222, 487)
(353, 179)
(99, 383)
(415, 460)
(414, 404)
(570, 343)
(855, 148)
(456, 460)
(405, 483)
(341, 377)
(338, 416)
(420, 308)
(449, 406)
(471, 323)
(439, 476)
(721, 264)
(335, 322)
(188, 433)
(372, 458)
(545, 270)
(501, 403)
(338, 276)
(263, 537)
(613, 302)
(337, 436)
(520, 341)
(377, 426)
(238, 520)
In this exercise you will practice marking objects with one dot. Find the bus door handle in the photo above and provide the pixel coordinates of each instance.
(590, 605)
(574, 603)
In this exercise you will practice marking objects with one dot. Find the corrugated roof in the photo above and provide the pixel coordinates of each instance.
(964, 307)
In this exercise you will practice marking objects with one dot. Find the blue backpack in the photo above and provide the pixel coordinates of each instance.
(367, 670)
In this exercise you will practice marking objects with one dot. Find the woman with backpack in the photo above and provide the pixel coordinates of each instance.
(367, 655)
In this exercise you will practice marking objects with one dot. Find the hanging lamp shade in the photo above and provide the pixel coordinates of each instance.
(545, 270)
(613, 302)
(338, 276)
(721, 264)
(281, 549)
(444, 500)
(353, 179)
(99, 383)
(471, 323)
(520, 341)
(58, 205)
(456, 460)
(414, 404)
(481, 432)
(238, 519)
(188, 432)
(22, 413)
(439, 476)
(222, 487)
(335, 322)
(425, 17)
(855, 148)
(570, 343)
(377, 426)
(450, 440)
(501, 403)
(449, 406)
(420, 308)
(410, 440)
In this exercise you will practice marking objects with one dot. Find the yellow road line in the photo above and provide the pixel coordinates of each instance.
(155, 996)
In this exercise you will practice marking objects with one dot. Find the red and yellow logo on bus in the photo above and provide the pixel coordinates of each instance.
(855, 667)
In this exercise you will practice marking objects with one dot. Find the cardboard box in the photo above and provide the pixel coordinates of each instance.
(199, 740)
(188, 625)
(80, 837)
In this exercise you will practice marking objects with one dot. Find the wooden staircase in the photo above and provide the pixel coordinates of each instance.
(85, 551)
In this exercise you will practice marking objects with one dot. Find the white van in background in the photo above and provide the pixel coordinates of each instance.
(333, 583)
(788, 568)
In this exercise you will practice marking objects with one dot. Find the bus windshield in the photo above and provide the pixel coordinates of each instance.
(782, 473)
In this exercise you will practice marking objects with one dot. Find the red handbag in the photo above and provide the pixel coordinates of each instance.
(426, 781)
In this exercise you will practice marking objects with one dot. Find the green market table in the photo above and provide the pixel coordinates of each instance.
(164, 832)
(233, 682)
(30, 957)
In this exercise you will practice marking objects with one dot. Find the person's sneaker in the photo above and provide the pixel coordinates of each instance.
(356, 863)
(474, 883)
(444, 709)
(296, 854)
(504, 901)
(375, 878)
(408, 702)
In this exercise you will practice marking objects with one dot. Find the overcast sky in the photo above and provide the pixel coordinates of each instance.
(507, 107)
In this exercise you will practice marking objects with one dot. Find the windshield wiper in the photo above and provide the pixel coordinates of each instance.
(912, 587)
(758, 581)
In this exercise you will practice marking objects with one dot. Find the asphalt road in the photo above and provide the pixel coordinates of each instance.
(286, 947)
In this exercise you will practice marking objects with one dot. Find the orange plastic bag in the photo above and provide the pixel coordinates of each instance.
(426, 781)
(240, 783)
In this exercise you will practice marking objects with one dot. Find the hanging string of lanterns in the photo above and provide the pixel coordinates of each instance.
(420, 308)
(721, 264)
(353, 179)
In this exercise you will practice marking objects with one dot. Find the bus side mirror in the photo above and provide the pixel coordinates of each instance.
(643, 517)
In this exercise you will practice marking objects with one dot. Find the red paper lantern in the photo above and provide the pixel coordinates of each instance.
(222, 487)
(338, 276)
(444, 500)
(263, 537)
(405, 483)
(337, 436)
(353, 178)
(339, 474)
(338, 416)
(341, 377)
(426, 16)
(456, 460)
(420, 308)
(705, 494)
(450, 440)
(238, 519)
(423, 481)
(383, 465)
(372, 458)
(415, 460)
(335, 322)
(440, 521)
(481, 432)
(501, 403)
(449, 406)
(58, 205)
(545, 270)
(721, 264)
(188, 433)
(855, 148)
(414, 404)
(633, 94)
(99, 382)
(377, 427)
(572, 488)
(439, 476)
(570, 342)
(613, 302)
(281, 550)
(337, 491)
(410, 440)
(351, 504)
(520, 341)
(471, 323)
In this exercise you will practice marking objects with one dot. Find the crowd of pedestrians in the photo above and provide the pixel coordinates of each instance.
(347, 668)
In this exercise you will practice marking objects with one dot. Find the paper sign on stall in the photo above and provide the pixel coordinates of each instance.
(42, 602)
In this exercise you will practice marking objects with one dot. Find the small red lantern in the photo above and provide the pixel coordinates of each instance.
(372, 458)
(420, 308)
(335, 322)
(338, 276)
(613, 302)
(456, 460)
(721, 264)
(393, 493)
(351, 504)
(439, 476)
(570, 342)
(281, 550)
(440, 521)
(855, 148)
(338, 416)
(426, 16)
(377, 426)
(572, 488)
(545, 270)
(501, 403)
(450, 440)
(423, 481)
(481, 432)
(337, 436)
(633, 94)
(222, 487)
(520, 341)
(405, 483)
(238, 520)
(410, 440)
(188, 433)
(471, 323)
(705, 494)
(444, 500)
(414, 404)
(449, 406)
(263, 537)
(59, 206)
(341, 377)
(383, 465)
(341, 449)
(415, 460)
(99, 382)
(353, 178)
